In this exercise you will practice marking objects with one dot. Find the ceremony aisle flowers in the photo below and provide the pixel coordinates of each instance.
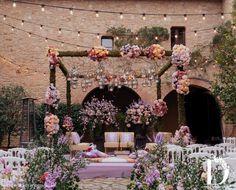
(52, 96)
(98, 112)
(98, 53)
(180, 82)
(180, 56)
(155, 51)
(131, 52)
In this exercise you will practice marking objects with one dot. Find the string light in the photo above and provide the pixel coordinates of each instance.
(195, 33)
(22, 23)
(12, 28)
(98, 35)
(78, 33)
(185, 17)
(176, 36)
(136, 38)
(121, 16)
(4, 17)
(71, 11)
(97, 14)
(164, 17)
(234, 27)
(222, 16)
(77, 47)
(14, 4)
(62, 44)
(41, 27)
(203, 16)
(59, 30)
(46, 40)
(42, 8)
(117, 37)
(29, 34)
(156, 38)
(144, 16)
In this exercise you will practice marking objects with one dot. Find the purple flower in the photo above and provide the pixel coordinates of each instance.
(159, 139)
(152, 176)
(62, 140)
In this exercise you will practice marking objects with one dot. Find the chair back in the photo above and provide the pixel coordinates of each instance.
(126, 137)
(18, 152)
(4, 153)
(14, 162)
(217, 151)
(196, 147)
(111, 136)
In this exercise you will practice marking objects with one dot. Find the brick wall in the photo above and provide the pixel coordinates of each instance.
(30, 53)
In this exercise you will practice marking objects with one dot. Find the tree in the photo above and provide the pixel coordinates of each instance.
(11, 110)
(225, 55)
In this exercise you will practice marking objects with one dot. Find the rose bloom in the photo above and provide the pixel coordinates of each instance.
(169, 187)
(42, 178)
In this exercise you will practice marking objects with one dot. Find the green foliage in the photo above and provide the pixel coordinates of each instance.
(11, 110)
(61, 112)
(146, 36)
(120, 118)
(225, 55)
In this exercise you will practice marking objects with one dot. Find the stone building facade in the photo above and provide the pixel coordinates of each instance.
(23, 59)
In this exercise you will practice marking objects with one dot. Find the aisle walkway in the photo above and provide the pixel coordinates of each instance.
(104, 184)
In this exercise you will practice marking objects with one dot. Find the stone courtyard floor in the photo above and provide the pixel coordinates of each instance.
(104, 184)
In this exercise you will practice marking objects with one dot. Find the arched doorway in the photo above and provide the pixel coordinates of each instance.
(202, 115)
(120, 97)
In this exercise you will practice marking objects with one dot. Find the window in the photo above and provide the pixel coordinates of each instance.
(177, 35)
(107, 42)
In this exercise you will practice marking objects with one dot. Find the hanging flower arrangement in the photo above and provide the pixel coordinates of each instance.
(68, 123)
(98, 112)
(139, 113)
(180, 55)
(160, 108)
(182, 136)
(98, 53)
(51, 124)
(131, 52)
(52, 96)
(53, 57)
(180, 82)
(155, 51)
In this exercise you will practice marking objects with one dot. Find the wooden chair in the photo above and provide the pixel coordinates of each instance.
(126, 140)
(111, 140)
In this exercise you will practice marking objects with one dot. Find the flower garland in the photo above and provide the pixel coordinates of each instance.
(155, 51)
(160, 108)
(180, 82)
(51, 124)
(53, 57)
(68, 123)
(98, 112)
(98, 53)
(52, 96)
(131, 52)
(180, 55)
(182, 136)
(139, 113)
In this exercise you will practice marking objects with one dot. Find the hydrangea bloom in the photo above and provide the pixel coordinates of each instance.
(182, 136)
(155, 51)
(52, 96)
(51, 124)
(129, 51)
(180, 82)
(98, 53)
(180, 55)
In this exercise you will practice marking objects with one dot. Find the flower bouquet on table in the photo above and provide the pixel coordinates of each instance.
(131, 52)
(155, 51)
(98, 53)
(182, 137)
(139, 113)
(52, 96)
(180, 82)
(98, 112)
(51, 124)
(180, 55)
(53, 57)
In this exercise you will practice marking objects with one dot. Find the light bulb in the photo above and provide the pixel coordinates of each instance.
(98, 35)
(62, 44)
(144, 16)
(121, 16)
(78, 33)
(46, 39)
(14, 4)
(176, 36)
(77, 47)
(222, 16)
(59, 30)
(185, 17)
(136, 38)
(195, 32)
(234, 27)
(117, 37)
(71, 11)
(41, 27)
(215, 30)
(165, 17)
(203, 17)
(12, 28)
(97, 14)
(4, 17)
(29, 34)
(156, 37)
(22, 23)
(42, 8)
